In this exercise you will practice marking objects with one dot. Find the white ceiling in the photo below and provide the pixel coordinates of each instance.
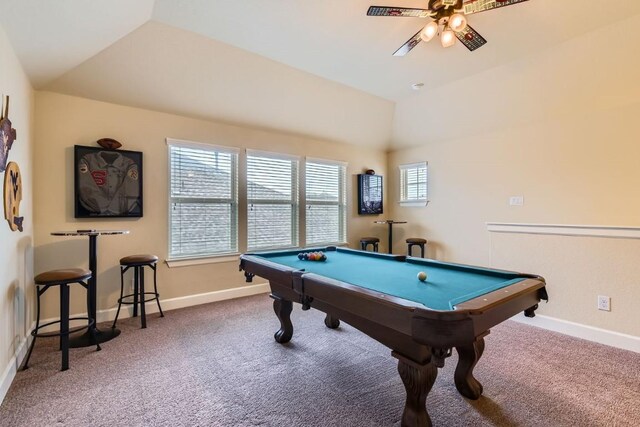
(336, 40)
(52, 37)
(62, 43)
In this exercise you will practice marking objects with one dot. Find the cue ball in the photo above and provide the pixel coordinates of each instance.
(422, 276)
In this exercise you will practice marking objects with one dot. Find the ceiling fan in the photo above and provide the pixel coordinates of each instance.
(448, 20)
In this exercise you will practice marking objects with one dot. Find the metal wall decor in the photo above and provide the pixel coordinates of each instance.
(7, 133)
(12, 187)
(13, 196)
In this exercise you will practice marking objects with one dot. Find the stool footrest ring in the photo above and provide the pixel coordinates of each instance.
(122, 301)
(58, 333)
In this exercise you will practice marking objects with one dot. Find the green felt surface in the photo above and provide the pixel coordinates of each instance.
(446, 284)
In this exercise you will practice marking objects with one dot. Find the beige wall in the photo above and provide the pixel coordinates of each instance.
(573, 154)
(63, 121)
(16, 249)
(167, 69)
(578, 269)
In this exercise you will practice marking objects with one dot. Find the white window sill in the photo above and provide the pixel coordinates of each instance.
(186, 262)
(318, 245)
(171, 263)
(414, 203)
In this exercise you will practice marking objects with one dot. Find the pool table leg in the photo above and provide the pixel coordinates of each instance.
(418, 380)
(283, 309)
(468, 356)
(331, 322)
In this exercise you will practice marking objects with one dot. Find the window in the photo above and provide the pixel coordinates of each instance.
(203, 200)
(272, 201)
(326, 209)
(413, 184)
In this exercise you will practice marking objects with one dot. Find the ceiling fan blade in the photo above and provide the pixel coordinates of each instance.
(410, 44)
(398, 11)
(475, 6)
(470, 38)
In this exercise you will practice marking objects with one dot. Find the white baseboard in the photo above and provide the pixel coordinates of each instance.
(109, 314)
(12, 368)
(187, 301)
(172, 303)
(589, 333)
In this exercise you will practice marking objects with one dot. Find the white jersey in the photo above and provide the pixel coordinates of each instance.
(108, 183)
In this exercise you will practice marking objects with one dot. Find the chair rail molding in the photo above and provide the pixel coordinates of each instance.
(612, 231)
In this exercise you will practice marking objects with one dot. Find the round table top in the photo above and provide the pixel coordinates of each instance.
(390, 221)
(88, 232)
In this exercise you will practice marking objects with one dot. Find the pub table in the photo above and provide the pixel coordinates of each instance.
(87, 339)
(390, 222)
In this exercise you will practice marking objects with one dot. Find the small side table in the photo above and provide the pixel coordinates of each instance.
(87, 339)
(390, 222)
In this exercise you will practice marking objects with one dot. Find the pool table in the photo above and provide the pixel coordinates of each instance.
(420, 321)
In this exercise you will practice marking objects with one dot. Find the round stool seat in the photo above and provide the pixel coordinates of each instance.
(67, 275)
(138, 259)
(416, 241)
(369, 240)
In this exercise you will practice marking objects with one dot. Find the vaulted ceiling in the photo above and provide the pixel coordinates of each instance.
(97, 49)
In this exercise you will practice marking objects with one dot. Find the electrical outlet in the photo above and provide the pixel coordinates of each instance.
(604, 303)
(516, 200)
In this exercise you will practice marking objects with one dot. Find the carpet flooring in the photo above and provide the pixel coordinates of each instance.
(218, 365)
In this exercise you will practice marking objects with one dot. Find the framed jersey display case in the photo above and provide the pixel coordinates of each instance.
(108, 183)
(369, 194)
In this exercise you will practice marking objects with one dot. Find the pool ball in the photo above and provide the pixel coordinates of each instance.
(300, 255)
(422, 276)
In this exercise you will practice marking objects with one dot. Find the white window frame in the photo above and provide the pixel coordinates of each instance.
(341, 203)
(404, 170)
(233, 200)
(294, 202)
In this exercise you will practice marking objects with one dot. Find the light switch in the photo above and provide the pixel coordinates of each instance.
(516, 200)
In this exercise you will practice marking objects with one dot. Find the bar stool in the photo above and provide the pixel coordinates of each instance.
(415, 241)
(60, 278)
(138, 262)
(366, 241)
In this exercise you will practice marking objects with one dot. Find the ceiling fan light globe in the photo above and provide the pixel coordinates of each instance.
(429, 31)
(457, 22)
(448, 38)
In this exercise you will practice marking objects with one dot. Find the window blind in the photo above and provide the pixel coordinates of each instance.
(326, 210)
(413, 183)
(272, 201)
(203, 201)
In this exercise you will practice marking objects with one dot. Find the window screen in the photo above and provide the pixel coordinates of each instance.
(203, 200)
(272, 201)
(413, 184)
(326, 201)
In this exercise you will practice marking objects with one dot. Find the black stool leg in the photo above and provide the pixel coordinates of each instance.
(143, 315)
(409, 245)
(375, 247)
(64, 325)
(122, 270)
(33, 342)
(135, 290)
(155, 289)
(422, 250)
(363, 246)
